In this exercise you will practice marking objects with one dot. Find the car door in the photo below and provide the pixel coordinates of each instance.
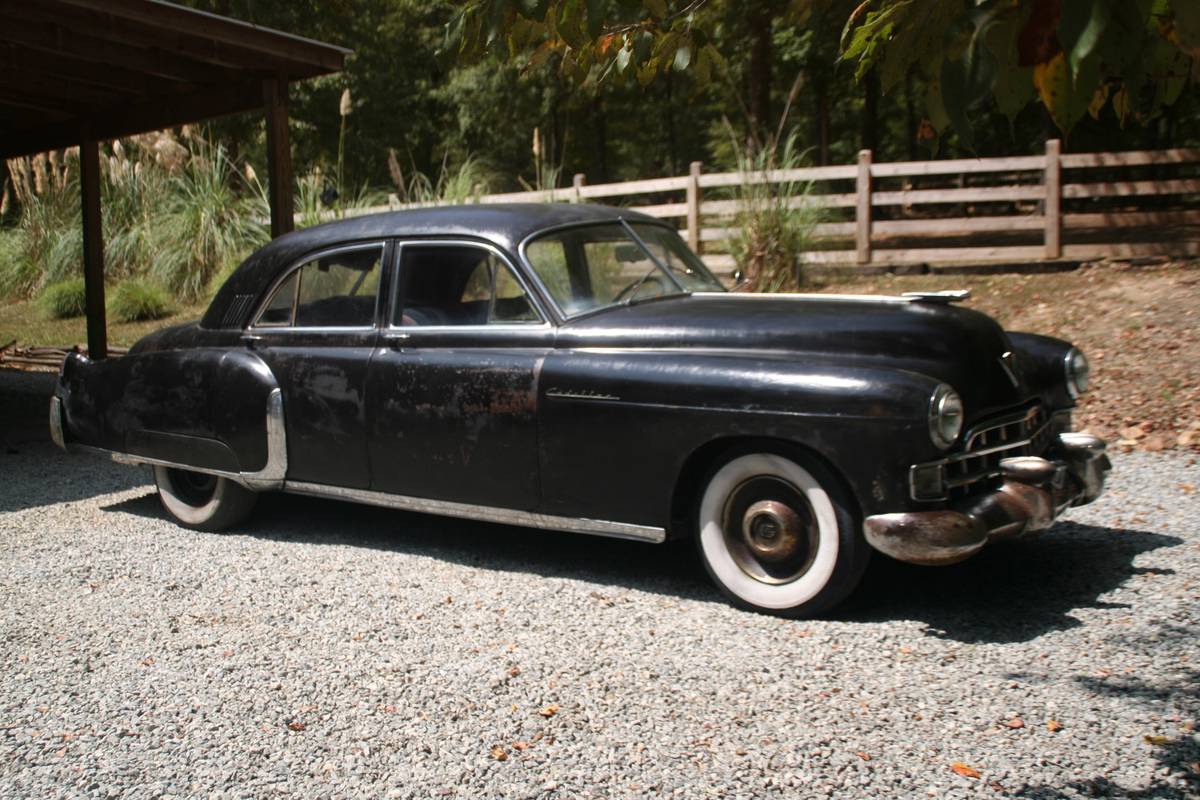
(317, 331)
(452, 389)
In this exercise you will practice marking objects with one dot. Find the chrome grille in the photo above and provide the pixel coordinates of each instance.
(1028, 432)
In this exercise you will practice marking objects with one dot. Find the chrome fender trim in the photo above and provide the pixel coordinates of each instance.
(270, 477)
(507, 516)
(56, 423)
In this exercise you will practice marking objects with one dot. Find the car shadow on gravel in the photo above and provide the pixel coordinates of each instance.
(671, 569)
(1011, 592)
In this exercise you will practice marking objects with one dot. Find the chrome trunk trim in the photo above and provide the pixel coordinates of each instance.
(507, 516)
(56, 423)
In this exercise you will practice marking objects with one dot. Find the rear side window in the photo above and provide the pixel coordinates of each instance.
(331, 290)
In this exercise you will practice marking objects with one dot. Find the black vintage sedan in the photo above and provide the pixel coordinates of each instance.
(577, 368)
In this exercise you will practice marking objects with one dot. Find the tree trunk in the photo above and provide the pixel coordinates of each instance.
(868, 133)
(672, 139)
(599, 141)
(759, 73)
(910, 110)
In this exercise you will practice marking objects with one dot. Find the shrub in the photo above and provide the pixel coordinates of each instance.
(136, 300)
(65, 299)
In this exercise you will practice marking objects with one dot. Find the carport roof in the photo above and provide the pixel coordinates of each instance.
(119, 67)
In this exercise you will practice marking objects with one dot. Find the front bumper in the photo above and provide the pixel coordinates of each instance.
(1034, 492)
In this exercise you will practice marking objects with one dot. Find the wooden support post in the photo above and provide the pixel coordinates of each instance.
(693, 206)
(577, 184)
(279, 156)
(862, 215)
(93, 246)
(1053, 210)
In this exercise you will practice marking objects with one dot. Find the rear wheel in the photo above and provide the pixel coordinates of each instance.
(779, 536)
(203, 502)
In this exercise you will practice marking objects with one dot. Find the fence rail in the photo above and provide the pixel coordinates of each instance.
(1077, 206)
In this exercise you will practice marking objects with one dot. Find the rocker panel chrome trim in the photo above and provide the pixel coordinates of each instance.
(508, 516)
(56, 423)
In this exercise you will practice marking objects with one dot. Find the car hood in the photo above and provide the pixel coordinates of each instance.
(946, 342)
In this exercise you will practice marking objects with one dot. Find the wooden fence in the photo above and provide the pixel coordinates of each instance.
(1051, 207)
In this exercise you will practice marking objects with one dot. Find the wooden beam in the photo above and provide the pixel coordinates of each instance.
(229, 32)
(49, 38)
(110, 76)
(195, 38)
(150, 116)
(83, 96)
(279, 156)
(93, 245)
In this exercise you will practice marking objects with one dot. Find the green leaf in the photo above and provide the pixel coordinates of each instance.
(1057, 89)
(955, 98)
(595, 17)
(623, 57)
(1081, 26)
(920, 30)
(683, 57)
(657, 8)
(1013, 90)
(643, 45)
(1187, 24)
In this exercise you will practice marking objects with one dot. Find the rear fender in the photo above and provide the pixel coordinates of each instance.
(211, 410)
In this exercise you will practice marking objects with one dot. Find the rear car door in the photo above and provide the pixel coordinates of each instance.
(316, 331)
(453, 384)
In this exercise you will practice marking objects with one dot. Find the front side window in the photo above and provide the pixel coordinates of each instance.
(592, 267)
(332, 290)
(451, 284)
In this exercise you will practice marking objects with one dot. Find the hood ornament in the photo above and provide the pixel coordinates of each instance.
(943, 297)
(1008, 360)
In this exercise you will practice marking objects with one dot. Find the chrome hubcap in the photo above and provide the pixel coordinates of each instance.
(770, 529)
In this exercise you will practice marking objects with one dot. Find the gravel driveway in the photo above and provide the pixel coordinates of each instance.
(332, 650)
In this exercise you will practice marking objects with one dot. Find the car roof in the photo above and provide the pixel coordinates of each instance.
(505, 225)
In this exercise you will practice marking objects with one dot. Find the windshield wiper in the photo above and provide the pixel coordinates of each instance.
(653, 258)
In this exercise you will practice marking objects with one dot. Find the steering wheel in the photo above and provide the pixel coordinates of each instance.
(655, 280)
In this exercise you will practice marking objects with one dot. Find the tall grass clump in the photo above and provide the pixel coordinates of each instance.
(206, 223)
(45, 245)
(462, 184)
(135, 300)
(64, 299)
(774, 224)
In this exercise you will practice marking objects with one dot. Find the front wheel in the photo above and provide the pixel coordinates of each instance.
(203, 502)
(779, 536)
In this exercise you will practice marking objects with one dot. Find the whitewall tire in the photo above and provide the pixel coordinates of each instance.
(203, 502)
(778, 535)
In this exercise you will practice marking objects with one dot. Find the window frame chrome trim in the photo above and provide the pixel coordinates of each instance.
(393, 304)
(294, 267)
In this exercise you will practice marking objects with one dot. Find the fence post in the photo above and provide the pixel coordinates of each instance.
(693, 206)
(1053, 211)
(862, 215)
(577, 184)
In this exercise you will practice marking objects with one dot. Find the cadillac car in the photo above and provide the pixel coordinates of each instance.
(577, 368)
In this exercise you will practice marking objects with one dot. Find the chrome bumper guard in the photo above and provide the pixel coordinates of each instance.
(1034, 492)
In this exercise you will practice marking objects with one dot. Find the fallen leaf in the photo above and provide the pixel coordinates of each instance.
(1195, 767)
(862, 755)
(1015, 723)
(1054, 726)
(1157, 741)
(964, 770)
(499, 753)
(148, 661)
(514, 672)
(1154, 444)
(521, 745)
(1187, 488)
(296, 726)
(1134, 432)
(549, 711)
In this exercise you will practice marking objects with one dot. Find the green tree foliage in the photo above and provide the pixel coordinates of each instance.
(1075, 57)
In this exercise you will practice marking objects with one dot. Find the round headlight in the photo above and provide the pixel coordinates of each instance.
(945, 416)
(1076, 365)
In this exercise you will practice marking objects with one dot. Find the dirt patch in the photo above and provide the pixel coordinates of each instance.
(1139, 326)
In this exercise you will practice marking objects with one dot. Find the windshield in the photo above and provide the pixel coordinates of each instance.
(591, 267)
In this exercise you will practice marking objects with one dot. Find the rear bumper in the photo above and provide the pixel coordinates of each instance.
(1034, 492)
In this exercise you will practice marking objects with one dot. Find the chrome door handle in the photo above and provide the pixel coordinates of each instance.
(396, 340)
(251, 340)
